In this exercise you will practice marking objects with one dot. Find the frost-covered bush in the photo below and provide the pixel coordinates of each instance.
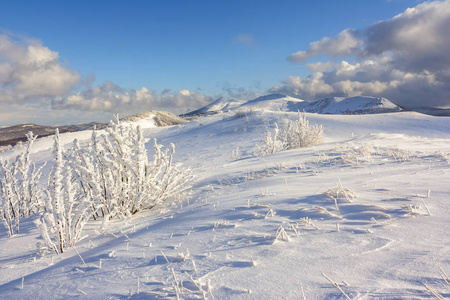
(120, 179)
(299, 134)
(295, 134)
(66, 209)
(108, 177)
(19, 192)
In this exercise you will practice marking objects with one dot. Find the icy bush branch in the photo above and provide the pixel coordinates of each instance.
(20, 195)
(67, 209)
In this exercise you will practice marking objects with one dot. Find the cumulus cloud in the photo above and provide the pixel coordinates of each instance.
(320, 66)
(371, 77)
(32, 73)
(111, 97)
(418, 38)
(346, 43)
(33, 79)
(405, 58)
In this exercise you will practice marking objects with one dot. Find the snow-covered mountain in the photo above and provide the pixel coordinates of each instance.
(350, 105)
(365, 213)
(280, 102)
(272, 102)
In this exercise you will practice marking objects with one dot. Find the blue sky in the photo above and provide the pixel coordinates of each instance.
(210, 48)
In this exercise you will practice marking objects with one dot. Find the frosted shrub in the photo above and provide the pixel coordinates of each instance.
(66, 209)
(111, 176)
(299, 134)
(295, 134)
(19, 192)
(117, 176)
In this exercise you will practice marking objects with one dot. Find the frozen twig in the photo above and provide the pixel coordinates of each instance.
(426, 207)
(433, 292)
(444, 276)
(84, 293)
(303, 292)
(84, 264)
(198, 285)
(337, 286)
(165, 257)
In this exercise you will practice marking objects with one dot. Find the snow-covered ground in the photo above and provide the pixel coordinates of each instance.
(267, 227)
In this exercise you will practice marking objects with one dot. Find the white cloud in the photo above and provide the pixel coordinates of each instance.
(320, 66)
(418, 38)
(31, 73)
(406, 58)
(375, 78)
(110, 97)
(346, 43)
(32, 79)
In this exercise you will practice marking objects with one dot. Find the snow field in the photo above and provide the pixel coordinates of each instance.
(368, 209)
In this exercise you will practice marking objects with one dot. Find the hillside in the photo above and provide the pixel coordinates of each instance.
(266, 227)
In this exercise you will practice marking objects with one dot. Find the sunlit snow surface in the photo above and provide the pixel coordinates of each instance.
(382, 244)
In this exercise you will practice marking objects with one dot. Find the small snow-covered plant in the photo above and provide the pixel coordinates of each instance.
(398, 154)
(66, 209)
(281, 235)
(295, 134)
(340, 192)
(272, 143)
(356, 155)
(299, 134)
(306, 221)
(235, 154)
(20, 195)
(413, 209)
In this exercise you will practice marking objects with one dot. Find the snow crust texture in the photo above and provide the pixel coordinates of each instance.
(366, 214)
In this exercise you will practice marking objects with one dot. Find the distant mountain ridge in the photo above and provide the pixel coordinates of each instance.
(10, 136)
(350, 105)
(280, 102)
(15, 134)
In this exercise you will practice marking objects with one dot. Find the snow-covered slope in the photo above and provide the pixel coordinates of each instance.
(267, 227)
